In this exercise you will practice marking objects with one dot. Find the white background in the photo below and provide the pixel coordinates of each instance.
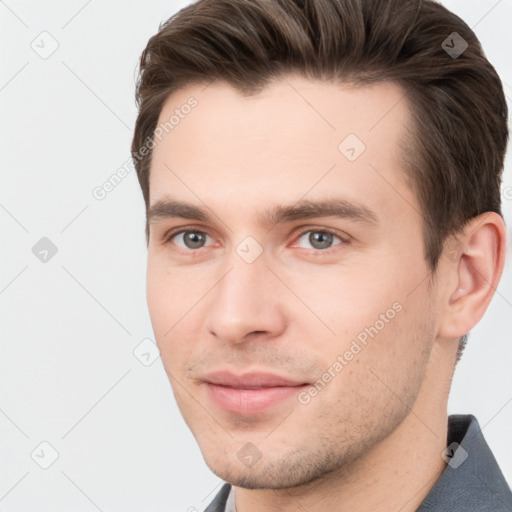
(68, 375)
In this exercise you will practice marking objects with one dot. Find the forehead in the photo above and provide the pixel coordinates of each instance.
(295, 139)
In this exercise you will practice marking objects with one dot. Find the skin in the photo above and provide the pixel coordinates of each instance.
(372, 438)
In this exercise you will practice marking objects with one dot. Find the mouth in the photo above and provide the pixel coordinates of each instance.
(250, 387)
(250, 394)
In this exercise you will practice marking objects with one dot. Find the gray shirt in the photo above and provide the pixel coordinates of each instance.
(471, 482)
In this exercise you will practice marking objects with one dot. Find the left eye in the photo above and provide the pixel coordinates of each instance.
(190, 239)
(319, 239)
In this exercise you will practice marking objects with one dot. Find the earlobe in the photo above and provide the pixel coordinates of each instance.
(474, 271)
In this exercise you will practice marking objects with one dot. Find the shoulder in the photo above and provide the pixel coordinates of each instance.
(472, 479)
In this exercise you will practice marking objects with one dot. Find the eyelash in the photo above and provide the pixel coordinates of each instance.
(170, 235)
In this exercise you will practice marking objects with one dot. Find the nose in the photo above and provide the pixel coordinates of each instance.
(246, 303)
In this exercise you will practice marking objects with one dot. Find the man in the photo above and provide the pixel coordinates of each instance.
(322, 183)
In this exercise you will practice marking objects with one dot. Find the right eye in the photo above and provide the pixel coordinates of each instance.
(188, 240)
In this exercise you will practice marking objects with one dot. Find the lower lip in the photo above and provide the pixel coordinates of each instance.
(250, 401)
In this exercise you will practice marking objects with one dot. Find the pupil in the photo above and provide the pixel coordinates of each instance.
(194, 240)
(320, 240)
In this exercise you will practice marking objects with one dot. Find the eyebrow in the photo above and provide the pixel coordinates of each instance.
(302, 209)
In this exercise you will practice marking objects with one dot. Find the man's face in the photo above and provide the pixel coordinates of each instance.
(338, 302)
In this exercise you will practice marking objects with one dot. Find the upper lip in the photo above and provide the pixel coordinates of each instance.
(253, 379)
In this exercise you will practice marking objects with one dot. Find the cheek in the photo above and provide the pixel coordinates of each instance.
(159, 300)
(345, 300)
(172, 296)
(163, 305)
(168, 293)
(366, 317)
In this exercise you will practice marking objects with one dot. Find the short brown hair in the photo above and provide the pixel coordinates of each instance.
(460, 133)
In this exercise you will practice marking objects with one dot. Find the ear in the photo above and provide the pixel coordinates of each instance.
(474, 266)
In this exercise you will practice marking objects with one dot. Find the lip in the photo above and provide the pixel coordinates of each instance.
(251, 379)
(260, 391)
